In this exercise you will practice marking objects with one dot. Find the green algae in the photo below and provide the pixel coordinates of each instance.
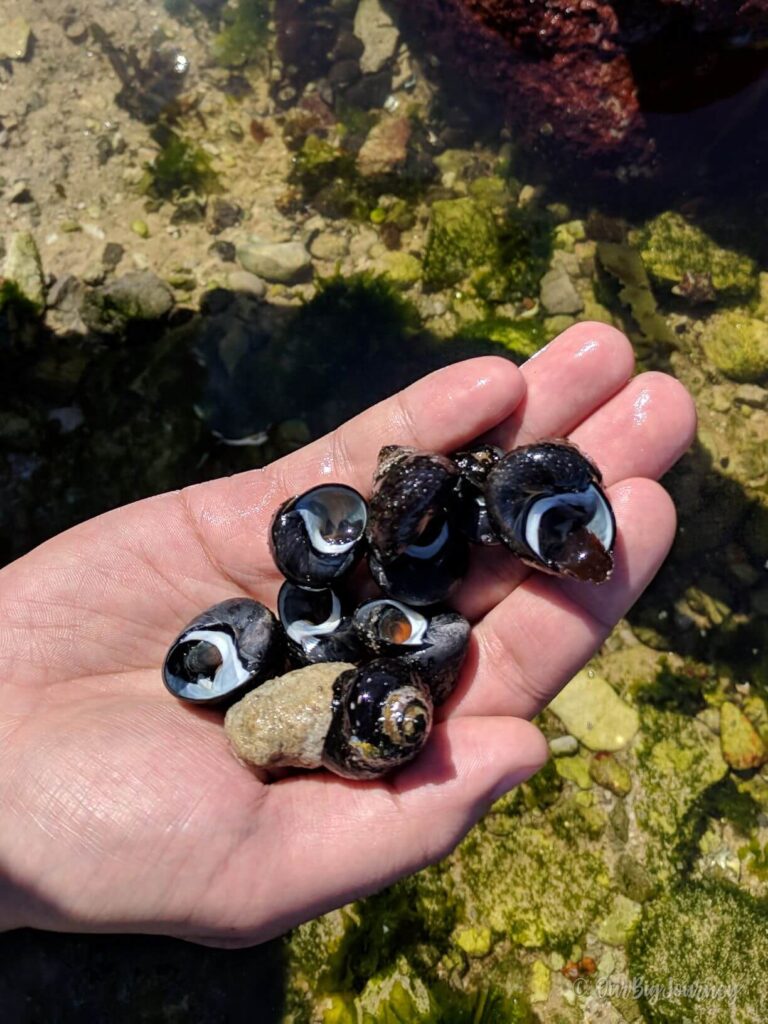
(698, 955)
(672, 248)
(522, 338)
(243, 39)
(462, 237)
(737, 344)
(178, 166)
(623, 263)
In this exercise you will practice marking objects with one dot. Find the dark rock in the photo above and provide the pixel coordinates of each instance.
(112, 254)
(140, 295)
(222, 214)
(226, 251)
(344, 73)
(371, 91)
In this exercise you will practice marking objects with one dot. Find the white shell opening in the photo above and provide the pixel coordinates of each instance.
(428, 550)
(305, 633)
(230, 674)
(600, 523)
(334, 518)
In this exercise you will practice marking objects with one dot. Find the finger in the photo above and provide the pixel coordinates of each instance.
(641, 431)
(439, 412)
(535, 640)
(336, 841)
(565, 381)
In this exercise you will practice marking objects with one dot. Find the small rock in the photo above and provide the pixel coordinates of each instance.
(752, 395)
(140, 228)
(243, 281)
(611, 774)
(378, 34)
(559, 294)
(386, 147)
(329, 246)
(20, 193)
(741, 744)
(65, 294)
(15, 37)
(226, 251)
(370, 92)
(76, 31)
(112, 254)
(140, 295)
(222, 214)
(476, 942)
(24, 269)
(594, 713)
(615, 929)
(574, 769)
(539, 982)
(564, 746)
(283, 262)
(402, 269)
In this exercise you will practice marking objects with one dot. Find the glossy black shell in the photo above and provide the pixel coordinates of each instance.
(294, 549)
(411, 489)
(381, 718)
(316, 626)
(471, 515)
(225, 652)
(550, 469)
(424, 581)
(433, 644)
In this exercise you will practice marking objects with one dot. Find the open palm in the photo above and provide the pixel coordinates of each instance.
(123, 810)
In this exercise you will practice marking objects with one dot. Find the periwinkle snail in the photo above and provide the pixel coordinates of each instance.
(352, 688)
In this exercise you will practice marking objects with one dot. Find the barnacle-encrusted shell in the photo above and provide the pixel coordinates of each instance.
(382, 717)
(546, 503)
(317, 537)
(284, 723)
(472, 517)
(227, 650)
(434, 644)
(315, 625)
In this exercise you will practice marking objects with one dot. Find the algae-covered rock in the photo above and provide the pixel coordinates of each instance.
(623, 263)
(594, 713)
(476, 942)
(24, 270)
(140, 295)
(539, 983)
(283, 262)
(611, 774)
(15, 37)
(700, 952)
(401, 268)
(737, 344)
(616, 927)
(678, 759)
(673, 250)
(522, 338)
(396, 996)
(574, 769)
(462, 236)
(742, 746)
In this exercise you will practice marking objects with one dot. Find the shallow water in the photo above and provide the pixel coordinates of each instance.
(295, 193)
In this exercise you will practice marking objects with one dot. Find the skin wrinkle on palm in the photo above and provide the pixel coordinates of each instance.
(178, 839)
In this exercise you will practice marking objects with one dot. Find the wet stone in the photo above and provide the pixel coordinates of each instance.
(742, 746)
(140, 295)
(386, 147)
(282, 262)
(378, 34)
(24, 269)
(594, 713)
(15, 37)
(559, 294)
(222, 214)
(112, 254)
(226, 251)
(564, 746)
(243, 281)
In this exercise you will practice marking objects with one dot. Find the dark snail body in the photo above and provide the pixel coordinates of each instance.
(225, 652)
(472, 517)
(546, 502)
(381, 718)
(317, 538)
(433, 645)
(316, 627)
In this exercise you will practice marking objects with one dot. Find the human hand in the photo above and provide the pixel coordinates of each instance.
(123, 810)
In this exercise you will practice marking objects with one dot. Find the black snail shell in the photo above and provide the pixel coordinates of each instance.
(546, 502)
(224, 652)
(318, 537)
(417, 554)
(381, 718)
(433, 645)
(472, 517)
(315, 626)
